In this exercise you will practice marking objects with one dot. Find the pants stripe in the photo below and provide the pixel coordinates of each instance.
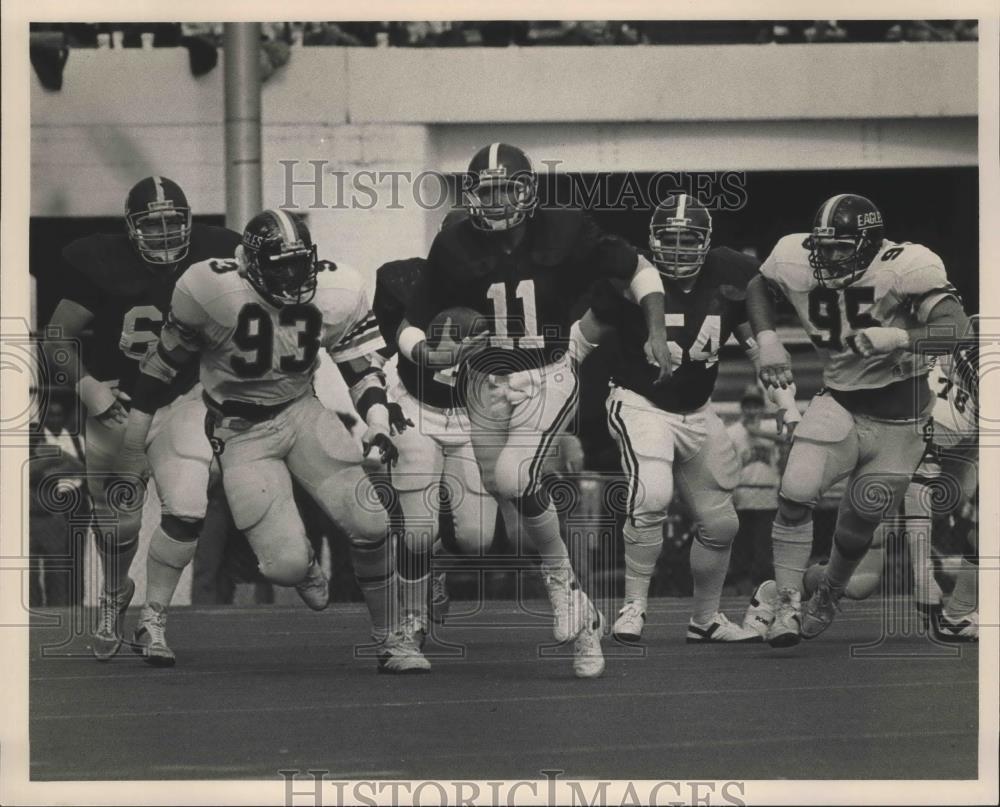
(549, 435)
(617, 424)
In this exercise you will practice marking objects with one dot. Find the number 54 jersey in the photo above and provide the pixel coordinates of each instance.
(899, 289)
(256, 352)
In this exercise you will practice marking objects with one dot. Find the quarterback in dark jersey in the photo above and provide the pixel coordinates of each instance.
(120, 288)
(522, 268)
(669, 432)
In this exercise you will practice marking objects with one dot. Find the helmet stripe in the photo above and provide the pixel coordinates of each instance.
(288, 232)
(494, 160)
(828, 209)
(158, 183)
(681, 204)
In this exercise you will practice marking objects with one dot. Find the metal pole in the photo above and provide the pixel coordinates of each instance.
(241, 42)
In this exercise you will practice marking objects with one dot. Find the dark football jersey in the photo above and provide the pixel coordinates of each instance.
(394, 285)
(698, 323)
(129, 299)
(526, 295)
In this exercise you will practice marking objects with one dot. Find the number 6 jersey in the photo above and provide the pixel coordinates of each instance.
(899, 289)
(255, 352)
(129, 298)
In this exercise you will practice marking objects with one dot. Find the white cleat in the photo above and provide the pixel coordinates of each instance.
(315, 589)
(760, 613)
(720, 630)
(111, 615)
(414, 627)
(399, 655)
(821, 609)
(440, 601)
(570, 606)
(786, 629)
(150, 640)
(964, 628)
(631, 620)
(588, 658)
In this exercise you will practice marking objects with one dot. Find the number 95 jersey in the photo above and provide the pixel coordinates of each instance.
(256, 352)
(899, 289)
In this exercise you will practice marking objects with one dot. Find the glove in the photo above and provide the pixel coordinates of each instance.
(376, 439)
(879, 341)
(398, 421)
(775, 363)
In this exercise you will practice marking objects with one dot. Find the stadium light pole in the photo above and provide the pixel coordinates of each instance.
(241, 42)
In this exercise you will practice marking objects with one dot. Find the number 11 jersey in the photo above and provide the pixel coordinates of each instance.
(255, 352)
(899, 289)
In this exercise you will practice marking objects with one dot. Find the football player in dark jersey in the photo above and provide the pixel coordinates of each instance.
(669, 432)
(522, 267)
(120, 288)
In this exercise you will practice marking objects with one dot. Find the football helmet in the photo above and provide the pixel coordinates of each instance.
(846, 236)
(680, 235)
(158, 219)
(280, 257)
(504, 188)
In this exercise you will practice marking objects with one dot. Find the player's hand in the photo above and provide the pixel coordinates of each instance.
(878, 341)
(658, 352)
(380, 441)
(398, 421)
(775, 363)
(103, 399)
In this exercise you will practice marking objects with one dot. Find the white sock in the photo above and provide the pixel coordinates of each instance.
(792, 546)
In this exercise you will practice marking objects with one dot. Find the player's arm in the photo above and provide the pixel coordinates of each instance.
(775, 363)
(68, 322)
(366, 383)
(942, 327)
(180, 344)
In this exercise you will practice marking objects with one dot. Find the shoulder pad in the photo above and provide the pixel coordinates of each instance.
(555, 232)
(212, 242)
(109, 262)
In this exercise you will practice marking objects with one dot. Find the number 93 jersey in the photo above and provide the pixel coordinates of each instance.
(256, 352)
(899, 289)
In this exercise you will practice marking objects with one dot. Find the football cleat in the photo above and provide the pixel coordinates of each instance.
(785, 630)
(570, 606)
(964, 628)
(111, 613)
(588, 658)
(719, 630)
(150, 639)
(315, 589)
(414, 627)
(821, 609)
(440, 601)
(760, 613)
(399, 655)
(631, 620)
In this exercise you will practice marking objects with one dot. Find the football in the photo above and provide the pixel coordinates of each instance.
(453, 325)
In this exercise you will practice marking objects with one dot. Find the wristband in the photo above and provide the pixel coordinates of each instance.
(377, 417)
(408, 340)
(95, 395)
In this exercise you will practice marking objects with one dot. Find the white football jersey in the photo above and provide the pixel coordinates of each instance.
(898, 290)
(257, 352)
(957, 390)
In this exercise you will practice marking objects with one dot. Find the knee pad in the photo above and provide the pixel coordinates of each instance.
(793, 514)
(650, 506)
(718, 530)
(511, 478)
(356, 505)
(181, 529)
(287, 567)
(474, 522)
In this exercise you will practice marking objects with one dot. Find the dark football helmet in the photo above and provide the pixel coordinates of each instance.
(503, 190)
(680, 236)
(280, 257)
(158, 219)
(846, 236)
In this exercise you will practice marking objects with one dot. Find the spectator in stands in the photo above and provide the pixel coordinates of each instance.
(756, 496)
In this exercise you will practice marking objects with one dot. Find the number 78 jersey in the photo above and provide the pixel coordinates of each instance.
(256, 352)
(899, 289)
